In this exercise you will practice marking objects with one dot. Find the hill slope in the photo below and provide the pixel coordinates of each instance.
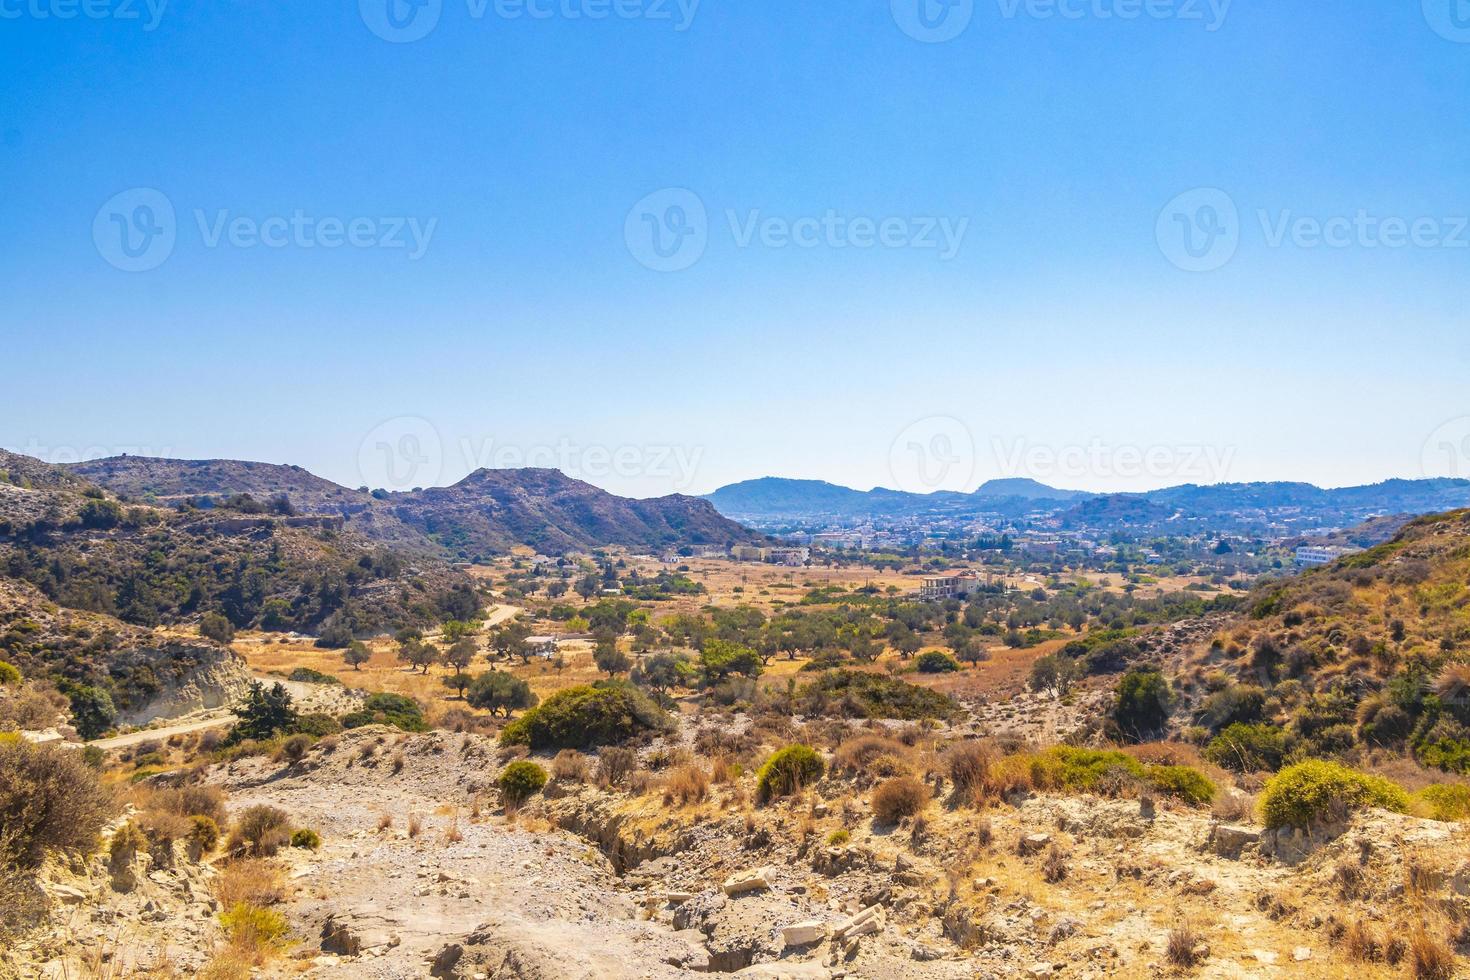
(1372, 652)
(487, 513)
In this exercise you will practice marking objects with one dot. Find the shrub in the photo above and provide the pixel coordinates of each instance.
(970, 765)
(788, 770)
(872, 755)
(1182, 783)
(614, 765)
(261, 831)
(203, 833)
(1239, 703)
(1430, 957)
(294, 748)
(857, 694)
(1248, 748)
(318, 724)
(686, 784)
(50, 800)
(264, 714)
(310, 675)
(9, 675)
(306, 839)
(936, 662)
(585, 717)
(92, 712)
(1445, 802)
(838, 837)
(385, 708)
(1181, 946)
(1143, 700)
(1317, 791)
(126, 842)
(570, 766)
(520, 781)
(902, 796)
(256, 931)
(214, 626)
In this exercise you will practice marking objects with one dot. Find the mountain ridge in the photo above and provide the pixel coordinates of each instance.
(487, 512)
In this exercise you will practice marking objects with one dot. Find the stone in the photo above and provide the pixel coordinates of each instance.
(1038, 970)
(748, 881)
(1264, 957)
(1228, 840)
(804, 933)
(1034, 843)
(869, 920)
(1301, 954)
(67, 894)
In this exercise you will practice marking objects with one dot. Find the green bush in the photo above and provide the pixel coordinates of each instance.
(317, 724)
(586, 717)
(1109, 772)
(1143, 701)
(306, 839)
(9, 675)
(307, 675)
(936, 662)
(1316, 791)
(1248, 748)
(1445, 802)
(838, 837)
(858, 694)
(213, 626)
(1239, 703)
(1182, 783)
(384, 708)
(788, 770)
(254, 928)
(520, 781)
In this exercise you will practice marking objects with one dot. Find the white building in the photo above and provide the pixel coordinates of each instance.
(1308, 556)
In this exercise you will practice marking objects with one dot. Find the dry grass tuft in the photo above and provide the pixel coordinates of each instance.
(250, 880)
(686, 784)
(902, 796)
(1181, 947)
(1430, 957)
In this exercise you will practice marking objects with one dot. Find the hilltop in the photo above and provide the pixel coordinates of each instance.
(487, 513)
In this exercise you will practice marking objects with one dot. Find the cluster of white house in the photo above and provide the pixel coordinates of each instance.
(1310, 555)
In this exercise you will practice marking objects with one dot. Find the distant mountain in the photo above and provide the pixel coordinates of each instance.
(1240, 506)
(1027, 490)
(486, 513)
(777, 498)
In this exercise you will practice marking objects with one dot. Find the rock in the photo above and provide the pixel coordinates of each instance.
(67, 894)
(804, 933)
(1034, 843)
(926, 954)
(1264, 957)
(1460, 880)
(1064, 929)
(444, 962)
(748, 881)
(1228, 840)
(869, 920)
(1038, 970)
(1301, 954)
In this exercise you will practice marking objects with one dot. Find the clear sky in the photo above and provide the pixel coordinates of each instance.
(669, 246)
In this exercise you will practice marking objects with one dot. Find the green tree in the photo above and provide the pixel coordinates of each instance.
(92, 711)
(608, 658)
(357, 654)
(461, 654)
(1143, 702)
(721, 658)
(264, 714)
(214, 626)
(498, 692)
(418, 654)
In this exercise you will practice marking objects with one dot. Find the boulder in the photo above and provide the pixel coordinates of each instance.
(757, 879)
(804, 933)
(869, 920)
(1228, 840)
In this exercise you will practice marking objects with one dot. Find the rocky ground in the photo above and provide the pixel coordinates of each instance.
(421, 874)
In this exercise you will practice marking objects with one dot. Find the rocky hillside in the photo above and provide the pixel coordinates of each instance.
(1369, 654)
(487, 513)
(146, 674)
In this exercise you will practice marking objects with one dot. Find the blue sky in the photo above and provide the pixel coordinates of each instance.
(887, 259)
